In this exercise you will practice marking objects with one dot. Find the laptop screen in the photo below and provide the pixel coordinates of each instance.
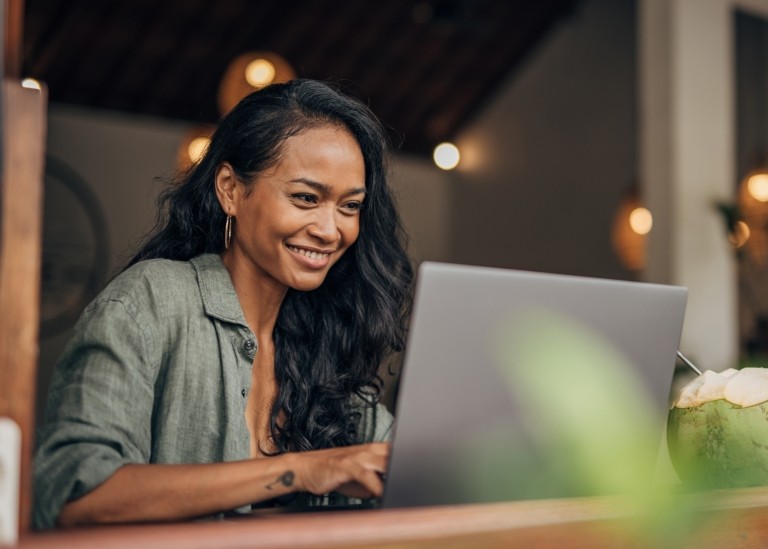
(522, 385)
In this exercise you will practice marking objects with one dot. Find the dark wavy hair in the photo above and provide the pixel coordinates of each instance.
(330, 342)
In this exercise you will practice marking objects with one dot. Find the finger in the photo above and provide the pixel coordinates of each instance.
(372, 482)
(367, 484)
(374, 462)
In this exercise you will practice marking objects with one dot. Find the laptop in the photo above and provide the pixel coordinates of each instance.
(524, 385)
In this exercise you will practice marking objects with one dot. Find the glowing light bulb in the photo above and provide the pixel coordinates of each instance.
(31, 84)
(641, 220)
(196, 148)
(260, 73)
(757, 185)
(446, 156)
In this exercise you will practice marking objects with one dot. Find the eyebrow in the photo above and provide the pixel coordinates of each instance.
(324, 188)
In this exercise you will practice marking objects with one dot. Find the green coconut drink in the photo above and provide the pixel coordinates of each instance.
(717, 430)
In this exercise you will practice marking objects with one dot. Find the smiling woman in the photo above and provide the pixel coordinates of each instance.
(234, 361)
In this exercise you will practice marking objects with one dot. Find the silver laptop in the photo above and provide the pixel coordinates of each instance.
(501, 363)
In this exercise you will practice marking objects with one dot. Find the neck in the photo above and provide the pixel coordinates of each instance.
(260, 295)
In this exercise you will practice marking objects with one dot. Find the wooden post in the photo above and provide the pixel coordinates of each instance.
(12, 38)
(21, 210)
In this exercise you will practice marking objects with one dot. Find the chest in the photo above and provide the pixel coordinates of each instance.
(259, 405)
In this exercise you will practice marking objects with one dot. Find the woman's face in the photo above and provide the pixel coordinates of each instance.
(301, 215)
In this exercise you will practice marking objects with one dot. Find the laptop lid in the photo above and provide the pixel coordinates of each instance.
(523, 385)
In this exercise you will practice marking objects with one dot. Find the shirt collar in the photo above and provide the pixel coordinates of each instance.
(218, 293)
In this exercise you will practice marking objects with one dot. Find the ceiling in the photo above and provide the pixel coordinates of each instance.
(425, 67)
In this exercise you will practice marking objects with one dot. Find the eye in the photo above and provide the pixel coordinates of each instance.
(352, 207)
(305, 198)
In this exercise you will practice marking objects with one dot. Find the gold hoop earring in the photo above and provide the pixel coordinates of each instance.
(227, 232)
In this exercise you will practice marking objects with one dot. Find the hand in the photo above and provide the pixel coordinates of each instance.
(354, 471)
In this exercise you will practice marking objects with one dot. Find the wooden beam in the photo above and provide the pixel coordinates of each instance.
(13, 38)
(21, 211)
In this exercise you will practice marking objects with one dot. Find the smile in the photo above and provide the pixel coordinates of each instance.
(308, 253)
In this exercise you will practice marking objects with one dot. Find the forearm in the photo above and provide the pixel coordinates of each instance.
(142, 493)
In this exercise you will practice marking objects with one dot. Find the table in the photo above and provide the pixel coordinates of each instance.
(735, 519)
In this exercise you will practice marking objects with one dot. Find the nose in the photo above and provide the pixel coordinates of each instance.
(324, 226)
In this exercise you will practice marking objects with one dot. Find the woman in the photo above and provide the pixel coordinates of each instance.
(235, 360)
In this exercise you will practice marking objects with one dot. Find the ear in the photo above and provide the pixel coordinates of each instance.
(227, 189)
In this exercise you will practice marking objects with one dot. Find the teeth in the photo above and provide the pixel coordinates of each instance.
(307, 253)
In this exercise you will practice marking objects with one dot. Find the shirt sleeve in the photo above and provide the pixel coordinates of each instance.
(99, 408)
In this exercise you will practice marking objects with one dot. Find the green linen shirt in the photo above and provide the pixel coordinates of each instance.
(158, 371)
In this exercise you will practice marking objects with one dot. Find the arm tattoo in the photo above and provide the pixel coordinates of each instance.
(286, 479)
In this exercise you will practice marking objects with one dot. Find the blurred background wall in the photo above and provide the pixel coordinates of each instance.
(550, 157)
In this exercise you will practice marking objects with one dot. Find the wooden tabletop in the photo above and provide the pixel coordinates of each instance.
(734, 519)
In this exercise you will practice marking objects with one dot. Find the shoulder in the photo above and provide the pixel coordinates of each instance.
(158, 279)
(169, 289)
(151, 274)
(138, 314)
(150, 292)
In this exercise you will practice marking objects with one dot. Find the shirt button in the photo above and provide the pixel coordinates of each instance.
(243, 393)
(249, 345)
